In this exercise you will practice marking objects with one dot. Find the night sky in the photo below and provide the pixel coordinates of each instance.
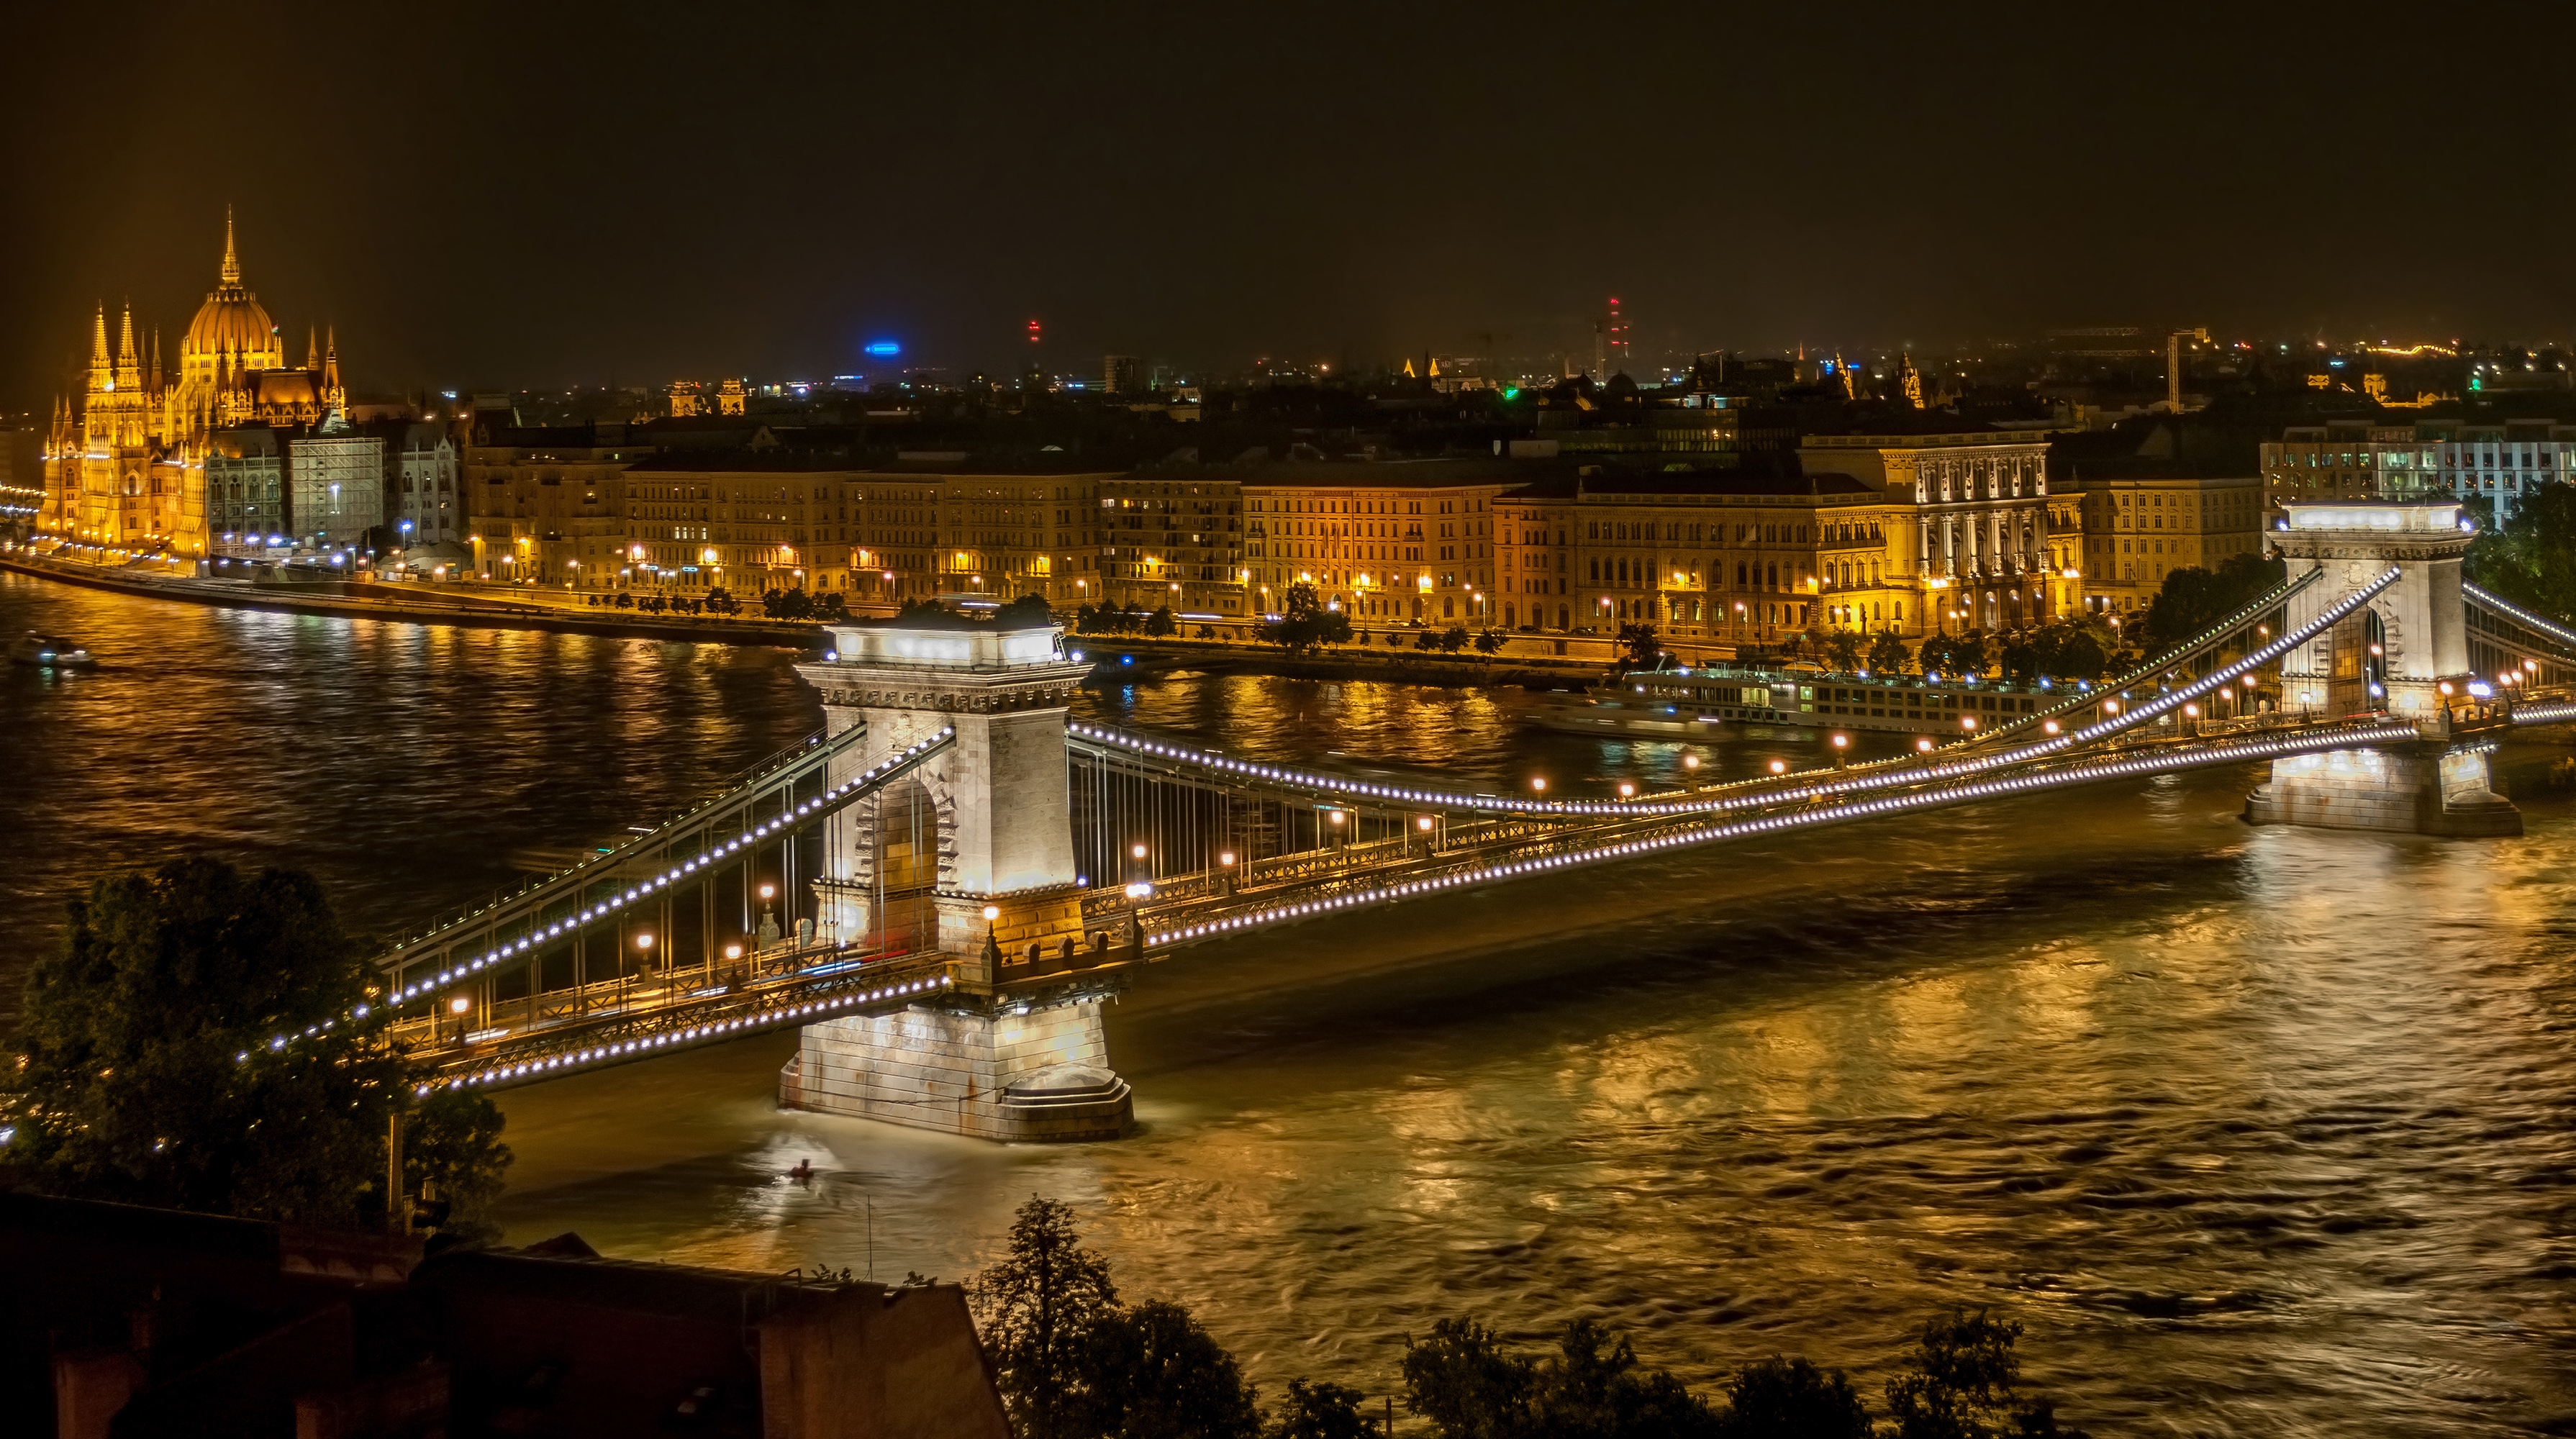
(535, 195)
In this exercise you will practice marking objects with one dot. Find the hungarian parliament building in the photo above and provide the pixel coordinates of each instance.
(195, 461)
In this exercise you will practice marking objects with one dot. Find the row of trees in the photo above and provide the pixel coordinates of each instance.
(2531, 558)
(1074, 1362)
(716, 601)
(1114, 620)
(212, 1040)
(831, 606)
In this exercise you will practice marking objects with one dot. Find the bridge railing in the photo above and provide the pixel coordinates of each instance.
(1654, 834)
(520, 928)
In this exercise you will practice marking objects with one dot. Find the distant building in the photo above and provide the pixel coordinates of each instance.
(1122, 374)
(335, 486)
(2154, 497)
(1391, 542)
(2499, 461)
(246, 490)
(125, 461)
(423, 503)
(1171, 538)
(546, 506)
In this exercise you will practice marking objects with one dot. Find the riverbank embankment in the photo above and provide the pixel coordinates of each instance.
(417, 604)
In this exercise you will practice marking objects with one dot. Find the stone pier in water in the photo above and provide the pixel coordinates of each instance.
(970, 854)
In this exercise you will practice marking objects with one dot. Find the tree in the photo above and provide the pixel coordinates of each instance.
(1967, 654)
(1036, 1308)
(1453, 639)
(1961, 1382)
(1638, 646)
(1779, 1398)
(452, 1147)
(1322, 1410)
(1594, 1389)
(1028, 611)
(205, 1040)
(2531, 558)
(833, 607)
(1490, 641)
(1160, 622)
(1844, 648)
(1151, 1372)
(1887, 654)
(1470, 1387)
(721, 600)
(1305, 623)
(2192, 599)
(1467, 1384)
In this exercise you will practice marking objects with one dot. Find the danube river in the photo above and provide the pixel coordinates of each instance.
(2260, 1132)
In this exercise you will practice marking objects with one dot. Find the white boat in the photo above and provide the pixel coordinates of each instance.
(50, 653)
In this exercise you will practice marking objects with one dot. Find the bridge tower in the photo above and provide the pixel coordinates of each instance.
(982, 827)
(2405, 653)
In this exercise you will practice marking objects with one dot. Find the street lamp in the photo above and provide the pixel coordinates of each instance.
(1538, 785)
(643, 952)
(460, 1006)
(1779, 766)
(1626, 790)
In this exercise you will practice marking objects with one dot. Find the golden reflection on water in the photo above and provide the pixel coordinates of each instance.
(2261, 1131)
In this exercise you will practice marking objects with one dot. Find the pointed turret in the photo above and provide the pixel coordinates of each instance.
(102, 366)
(331, 393)
(125, 342)
(312, 348)
(232, 262)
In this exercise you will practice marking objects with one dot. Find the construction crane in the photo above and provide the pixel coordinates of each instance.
(2173, 364)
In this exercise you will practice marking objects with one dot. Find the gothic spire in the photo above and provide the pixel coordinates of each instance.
(125, 345)
(98, 338)
(232, 263)
(312, 348)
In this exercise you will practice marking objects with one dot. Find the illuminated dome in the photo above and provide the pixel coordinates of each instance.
(232, 323)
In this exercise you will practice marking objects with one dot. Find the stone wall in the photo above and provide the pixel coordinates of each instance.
(950, 1071)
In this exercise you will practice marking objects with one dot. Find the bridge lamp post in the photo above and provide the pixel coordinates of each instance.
(1690, 770)
(1923, 745)
(2191, 715)
(460, 1006)
(992, 940)
(1968, 723)
(1225, 862)
(1841, 742)
(643, 952)
(1779, 766)
(1627, 790)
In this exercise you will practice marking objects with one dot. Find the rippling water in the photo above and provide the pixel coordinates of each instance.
(2260, 1131)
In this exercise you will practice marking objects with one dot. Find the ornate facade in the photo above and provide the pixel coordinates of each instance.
(125, 463)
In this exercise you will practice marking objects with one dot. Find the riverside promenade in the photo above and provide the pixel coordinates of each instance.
(412, 602)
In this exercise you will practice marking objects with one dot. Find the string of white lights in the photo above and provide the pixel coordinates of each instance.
(2232, 752)
(849, 789)
(645, 1044)
(1847, 782)
(2515, 612)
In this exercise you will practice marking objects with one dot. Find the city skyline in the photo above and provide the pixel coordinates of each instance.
(635, 194)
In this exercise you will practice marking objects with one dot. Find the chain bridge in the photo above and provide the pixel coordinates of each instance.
(967, 874)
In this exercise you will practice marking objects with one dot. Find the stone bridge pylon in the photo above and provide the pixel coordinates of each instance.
(971, 855)
(2405, 653)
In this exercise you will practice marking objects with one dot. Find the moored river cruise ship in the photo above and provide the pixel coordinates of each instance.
(1694, 703)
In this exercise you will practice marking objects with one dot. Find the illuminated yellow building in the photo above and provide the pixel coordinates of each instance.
(125, 465)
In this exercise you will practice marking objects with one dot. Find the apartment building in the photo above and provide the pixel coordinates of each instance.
(2499, 461)
(1392, 542)
(547, 505)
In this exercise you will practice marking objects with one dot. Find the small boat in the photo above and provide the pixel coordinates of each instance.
(49, 652)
